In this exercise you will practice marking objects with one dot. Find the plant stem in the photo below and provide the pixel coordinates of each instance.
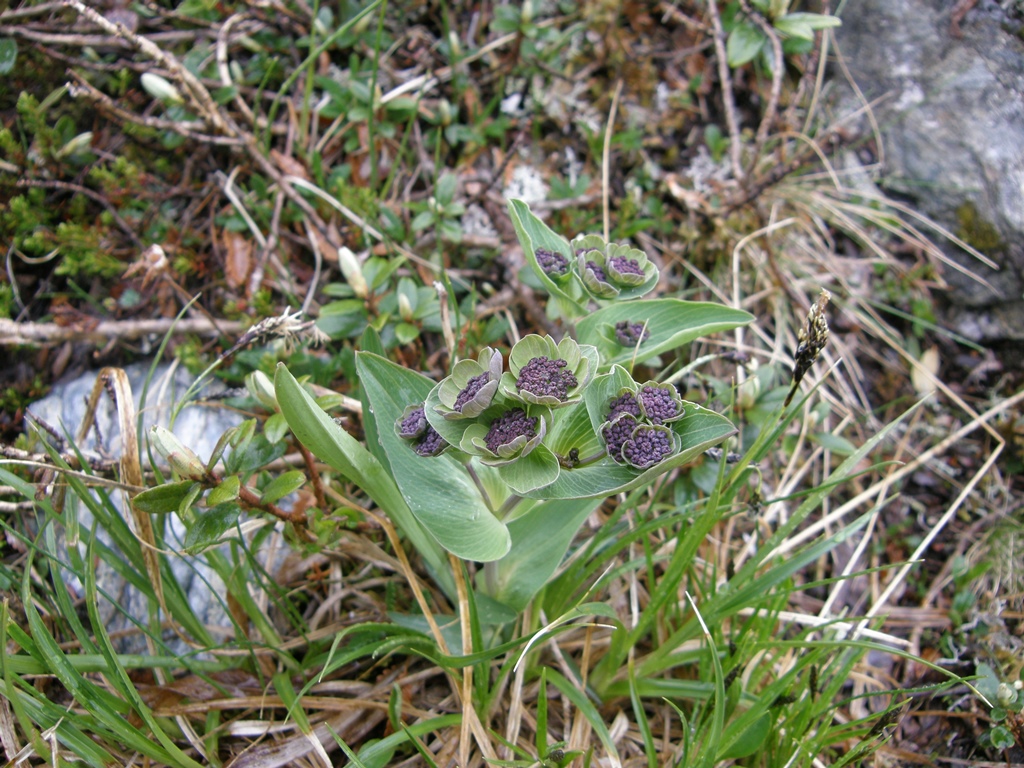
(508, 506)
(480, 486)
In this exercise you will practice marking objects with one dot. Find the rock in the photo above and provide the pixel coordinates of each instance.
(199, 427)
(953, 133)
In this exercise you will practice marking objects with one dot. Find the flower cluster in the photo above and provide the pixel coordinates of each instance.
(501, 415)
(609, 269)
(630, 334)
(598, 268)
(553, 264)
(635, 430)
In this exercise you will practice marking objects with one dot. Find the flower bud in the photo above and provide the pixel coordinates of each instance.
(405, 308)
(748, 392)
(1005, 695)
(262, 388)
(161, 89)
(75, 145)
(353, 272)
(182, 460)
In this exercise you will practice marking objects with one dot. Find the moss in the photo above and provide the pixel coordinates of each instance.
(976, 231)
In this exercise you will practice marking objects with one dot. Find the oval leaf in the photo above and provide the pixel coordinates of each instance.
(210, 526)
(670, 322)
(164, 498)
(282, 485)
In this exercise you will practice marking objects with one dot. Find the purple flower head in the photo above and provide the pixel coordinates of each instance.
(624, 403)
(544, 373)
(625, 266)
(468, 392)
(647, 446)
(412, 423)
(546, 378)
(472, 388)
(608, 269)
(630, 334)
(553, 264)
(510, 427)
(625, 271)
(431, 444)
(616, 432)
(511, 435)
(660, 403)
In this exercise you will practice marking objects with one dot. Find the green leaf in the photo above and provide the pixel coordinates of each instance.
(163, 498)
(255, 454)
(8, 54)
(534, 233)
(439, 491)
(336, 447)
(282, 485)
(748, 742)
(745, 42)
(804, 25)
(835, 443)
(226, 491)
(210, 526)
(699, 430)
(274, 428)
(406, 333)
(671, 323)
(535, 470)
(540, 539)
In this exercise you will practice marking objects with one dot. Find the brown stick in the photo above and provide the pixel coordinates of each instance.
(42, 334)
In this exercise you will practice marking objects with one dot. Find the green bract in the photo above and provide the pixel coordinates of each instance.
(509, 436)
(468, 392)
(544, 373)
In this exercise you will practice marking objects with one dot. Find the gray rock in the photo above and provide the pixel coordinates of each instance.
(198, 426)
(953, 130)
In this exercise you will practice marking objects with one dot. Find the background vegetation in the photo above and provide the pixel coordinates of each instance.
(232, 163)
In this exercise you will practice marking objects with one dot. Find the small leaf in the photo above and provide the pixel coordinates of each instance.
(406, 333)
(1001, 737)
(225, 492)
(282, 485)
(745, 42)
(164, 498)
(275, 428)
(210, 526)
(803, 25)
(8, 54)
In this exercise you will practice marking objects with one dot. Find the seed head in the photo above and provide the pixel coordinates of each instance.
(812, 339)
